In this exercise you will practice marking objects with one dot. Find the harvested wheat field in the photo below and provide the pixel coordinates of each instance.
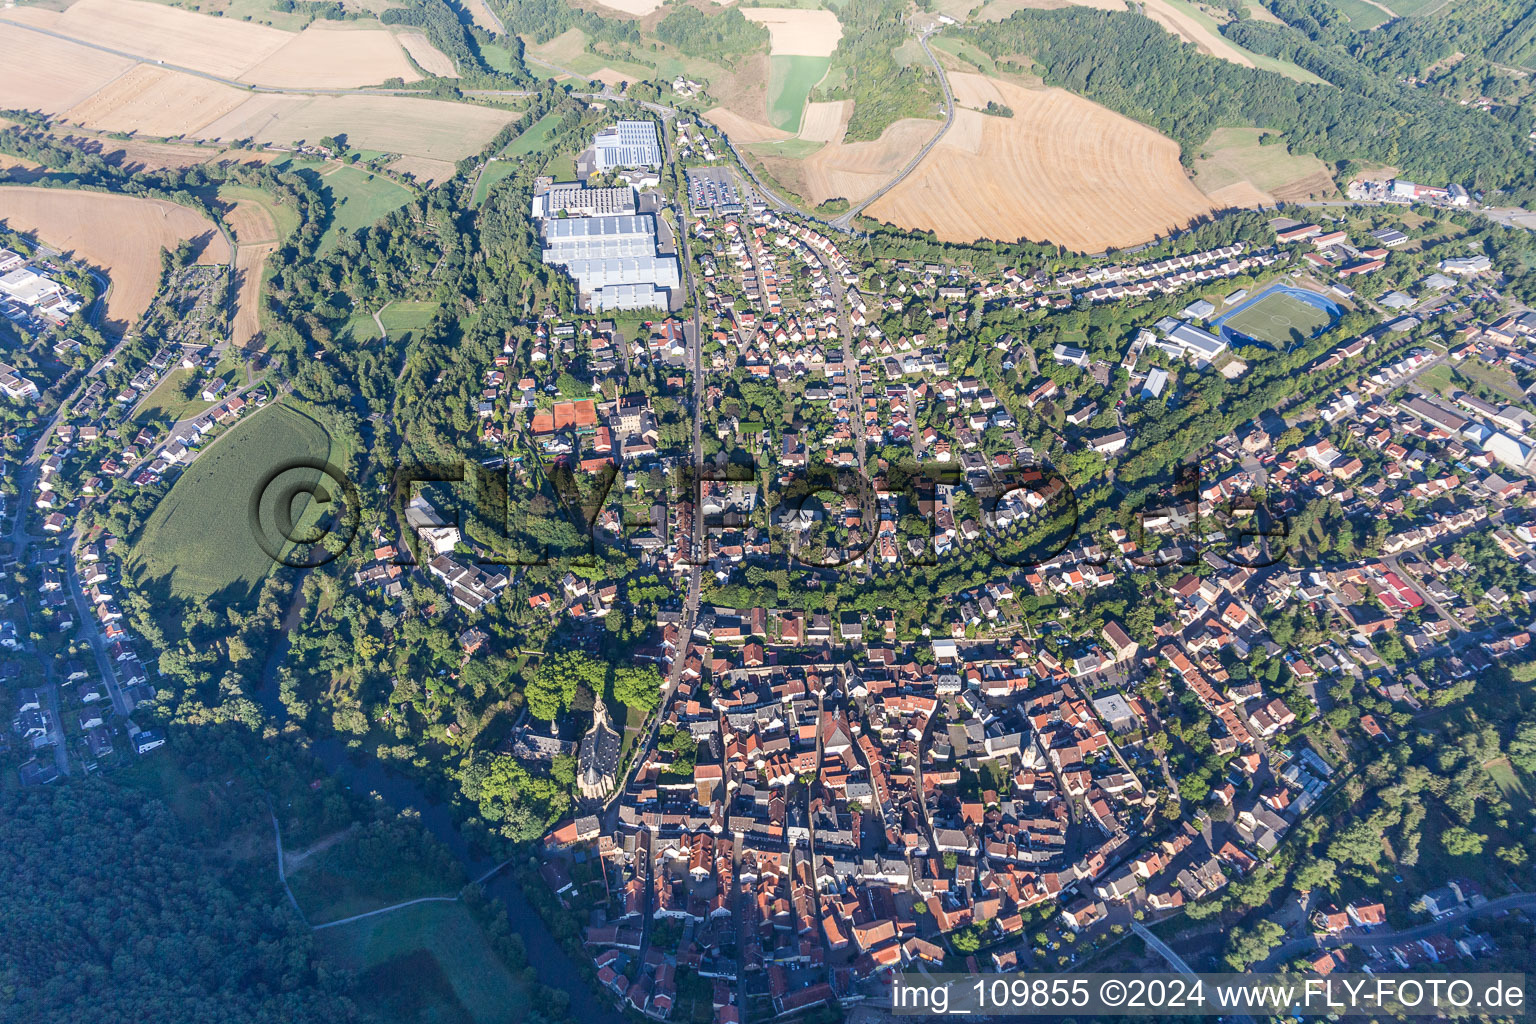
(121, 235)
(481, 15)
(39, 72)
(823, 122)
(427, 172)
(743, 131)
(1315, 185)
(1243, 194)
(432, 60)
(795, 32)
(608, 76)
(217, 46)
(853, 170)
(1062, 169)
(435, 129)
(155, 101)
(334, 55)
(1183, 25)
(255, 240)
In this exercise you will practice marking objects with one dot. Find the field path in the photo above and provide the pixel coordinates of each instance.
(236, 83)
(845, 222)
(295, 861)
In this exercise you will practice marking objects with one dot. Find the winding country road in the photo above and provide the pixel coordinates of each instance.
(845, 222)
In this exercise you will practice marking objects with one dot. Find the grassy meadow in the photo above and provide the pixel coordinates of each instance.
(197, 544)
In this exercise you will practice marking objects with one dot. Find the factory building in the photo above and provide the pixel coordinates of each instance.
(626, 144)
(613, 260)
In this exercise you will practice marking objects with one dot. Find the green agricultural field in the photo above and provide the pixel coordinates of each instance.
(358, 199)
(790, 149)
(408, 316)
(359, 328)
(429, 962)
(496, 172)
(1278, 318)
(1416, 8)
(790, 81)
(1362, 16)
(198, 543)
(534, 139)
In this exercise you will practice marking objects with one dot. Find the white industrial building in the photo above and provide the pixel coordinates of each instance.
(626, 144)
(573, 200)
(613, 260)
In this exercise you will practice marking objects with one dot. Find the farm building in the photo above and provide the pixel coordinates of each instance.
(626, 144)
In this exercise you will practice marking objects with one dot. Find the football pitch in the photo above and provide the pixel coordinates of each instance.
(1279, 319)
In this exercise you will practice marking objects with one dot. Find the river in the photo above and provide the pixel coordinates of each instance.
(555, 967)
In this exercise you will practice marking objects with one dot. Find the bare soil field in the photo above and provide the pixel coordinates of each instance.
(39, 72)
(427, 172)
(218, 46)
(796, 32)
(435, 129)
(1187, 28)
(742, 130)
(335, 55)
(853, 170)
(156, 101)
(431, 59)
(121, 235)
(1062, 169)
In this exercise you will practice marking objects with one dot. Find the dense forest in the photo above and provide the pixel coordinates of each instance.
(1132, 65)
(711, 36)
(110, 916)
(459, 41)
(865, 69)
(542, 20)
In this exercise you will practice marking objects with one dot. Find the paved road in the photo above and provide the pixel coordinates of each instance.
(1372, 940)
(1163, 950)
(845, 222)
